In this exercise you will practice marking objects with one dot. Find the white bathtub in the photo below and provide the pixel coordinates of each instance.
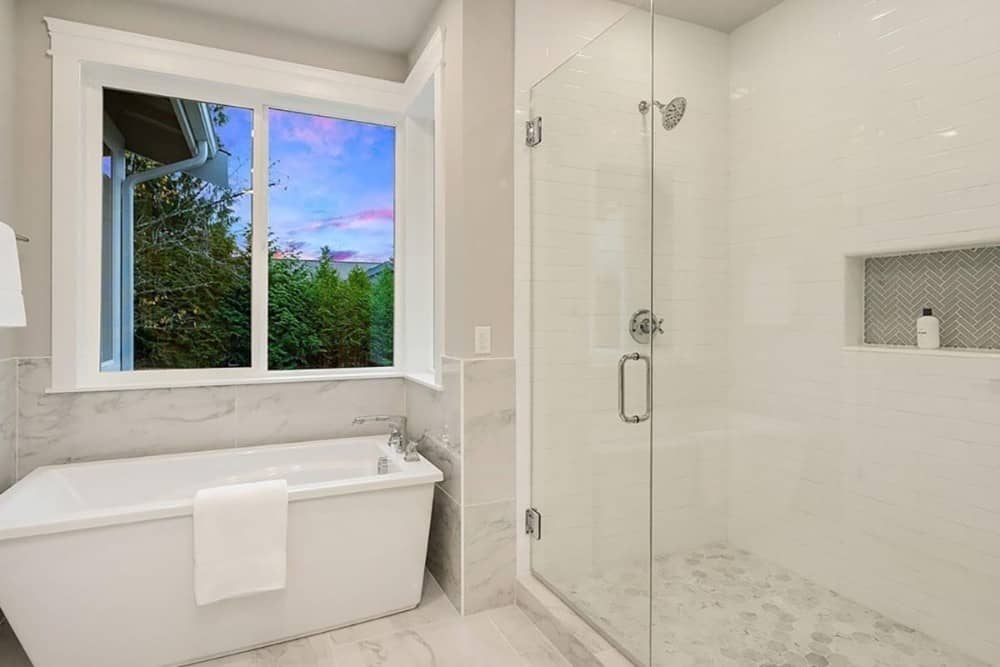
(96, 561)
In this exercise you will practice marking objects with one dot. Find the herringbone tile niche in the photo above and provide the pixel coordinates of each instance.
(962, 286)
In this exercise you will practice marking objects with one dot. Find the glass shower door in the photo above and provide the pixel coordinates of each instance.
(699, 613)
(591, 378)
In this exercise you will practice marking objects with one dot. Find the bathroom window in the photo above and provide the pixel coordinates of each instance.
(220, 218)
(177, 237)
(331, 212)
(176, 230)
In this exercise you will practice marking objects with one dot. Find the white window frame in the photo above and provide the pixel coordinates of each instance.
(86, 59)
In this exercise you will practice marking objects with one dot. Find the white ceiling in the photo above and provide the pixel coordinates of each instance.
(724, 15)
(396, 25)
(386, 25)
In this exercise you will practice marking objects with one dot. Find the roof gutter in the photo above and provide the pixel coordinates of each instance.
(128, 243)
(196, 124)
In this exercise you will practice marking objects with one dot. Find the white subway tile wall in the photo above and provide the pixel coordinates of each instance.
(861, 126)
(690, 290)
(821, 130)
(590, 235)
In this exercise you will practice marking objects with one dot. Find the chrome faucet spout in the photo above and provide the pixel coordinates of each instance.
(397, 427)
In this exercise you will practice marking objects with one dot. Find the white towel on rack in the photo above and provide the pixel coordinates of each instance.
(240, 540)
(11, 299)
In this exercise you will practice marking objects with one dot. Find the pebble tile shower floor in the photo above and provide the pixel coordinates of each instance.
(719, 605)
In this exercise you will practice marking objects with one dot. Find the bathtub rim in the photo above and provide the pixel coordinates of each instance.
(411, 474)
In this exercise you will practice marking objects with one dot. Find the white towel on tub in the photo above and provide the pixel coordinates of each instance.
(240, 540)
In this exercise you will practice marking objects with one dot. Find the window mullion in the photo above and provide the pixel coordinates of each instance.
(259, 241)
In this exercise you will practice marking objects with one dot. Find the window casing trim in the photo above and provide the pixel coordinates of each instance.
(85, 59)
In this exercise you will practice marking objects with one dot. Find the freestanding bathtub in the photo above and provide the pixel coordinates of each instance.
(96, 559)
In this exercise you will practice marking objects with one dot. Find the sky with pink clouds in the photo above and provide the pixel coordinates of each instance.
(333, 182)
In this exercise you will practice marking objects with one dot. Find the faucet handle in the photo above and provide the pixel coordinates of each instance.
(411, 454)
(397, 427)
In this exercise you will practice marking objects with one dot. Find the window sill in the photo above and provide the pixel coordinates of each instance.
(427, 379)
(954, 353)
(276, 378)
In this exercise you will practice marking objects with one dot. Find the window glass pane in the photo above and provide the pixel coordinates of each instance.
(177, 242)
(331, 215)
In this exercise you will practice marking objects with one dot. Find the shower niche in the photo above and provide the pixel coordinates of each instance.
(886, 293)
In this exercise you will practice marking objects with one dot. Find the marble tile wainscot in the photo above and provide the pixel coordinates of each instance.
(8, 422)
(468, 432)
(63, 428)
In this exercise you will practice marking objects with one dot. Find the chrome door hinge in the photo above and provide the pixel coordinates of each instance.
(533, 522)
(533, 131)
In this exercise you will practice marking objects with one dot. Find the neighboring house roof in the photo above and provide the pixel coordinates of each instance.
(167, 130)
(343, 269)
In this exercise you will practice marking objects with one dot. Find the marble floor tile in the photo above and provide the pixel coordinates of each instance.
(498, 638)
(315, 651)
(432, 635)
(471, 640)
(434, 607)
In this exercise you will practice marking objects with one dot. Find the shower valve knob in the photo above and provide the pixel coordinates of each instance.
(644, 325)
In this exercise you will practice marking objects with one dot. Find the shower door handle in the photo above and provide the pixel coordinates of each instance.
(634, 419)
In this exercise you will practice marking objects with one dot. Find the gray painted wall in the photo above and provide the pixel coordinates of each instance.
(478, 103)
(7, 60)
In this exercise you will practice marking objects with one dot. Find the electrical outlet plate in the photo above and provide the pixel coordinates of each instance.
(484, 340)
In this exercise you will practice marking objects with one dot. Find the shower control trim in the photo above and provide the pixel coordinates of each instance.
(635, 419)
(644, 325)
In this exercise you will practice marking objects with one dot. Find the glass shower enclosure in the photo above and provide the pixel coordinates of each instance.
(592, 330)
(723, 476)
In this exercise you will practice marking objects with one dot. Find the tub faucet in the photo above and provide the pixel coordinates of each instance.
(397, 428)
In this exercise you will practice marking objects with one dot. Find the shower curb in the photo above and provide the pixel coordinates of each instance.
(579, 643)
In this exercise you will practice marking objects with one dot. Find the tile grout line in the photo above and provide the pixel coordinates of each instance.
(490, 502)
(17, 420)
(461, 506)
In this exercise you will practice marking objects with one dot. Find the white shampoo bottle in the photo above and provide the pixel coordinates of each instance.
(928, 331)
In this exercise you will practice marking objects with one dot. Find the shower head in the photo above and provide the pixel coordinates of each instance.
(672, 111)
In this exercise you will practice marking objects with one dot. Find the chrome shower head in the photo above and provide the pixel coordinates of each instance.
(673, 112)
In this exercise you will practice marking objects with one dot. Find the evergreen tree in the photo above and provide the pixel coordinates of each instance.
(192, 279)
(353, 328)
(327, 294)
(382, 303)
(293, 340)
(193, 288)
